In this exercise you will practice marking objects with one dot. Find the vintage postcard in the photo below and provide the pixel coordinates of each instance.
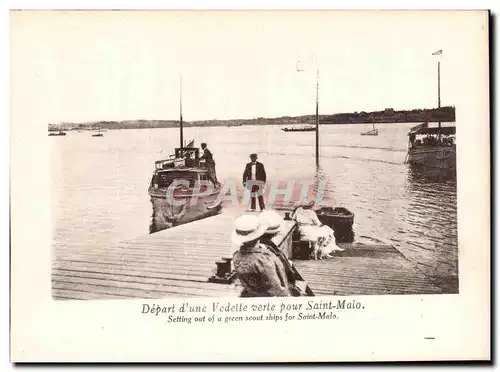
(250, 186)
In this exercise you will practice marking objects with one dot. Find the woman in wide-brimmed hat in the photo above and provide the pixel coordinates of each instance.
(311, 229)
(259, 270)
(273, 221)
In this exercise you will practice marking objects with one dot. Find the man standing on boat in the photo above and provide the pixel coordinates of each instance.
(210, 163)
(254, 171)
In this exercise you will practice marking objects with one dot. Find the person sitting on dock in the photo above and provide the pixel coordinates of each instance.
(320, 237)
(254, 171)
(259, 270)
(272, 220)
(210, 162)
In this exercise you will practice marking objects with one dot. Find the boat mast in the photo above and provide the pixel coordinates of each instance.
(180, 106)
(317, 108)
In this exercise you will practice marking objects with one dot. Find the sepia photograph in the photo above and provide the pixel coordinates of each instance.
(247, 154)
(166, 174)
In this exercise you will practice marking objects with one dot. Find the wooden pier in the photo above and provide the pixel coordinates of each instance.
(175, 262)
(363, 269)
(178, 263)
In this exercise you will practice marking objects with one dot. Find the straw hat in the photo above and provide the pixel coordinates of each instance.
(272, 220)
(247, 228)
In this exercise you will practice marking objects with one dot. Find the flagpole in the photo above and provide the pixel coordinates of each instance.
(439, 89)
(439, 53)
(317, 107)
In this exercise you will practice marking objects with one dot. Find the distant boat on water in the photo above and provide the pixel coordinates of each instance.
(60, 133)
(305, 128)
(98, 134)
(373, 132)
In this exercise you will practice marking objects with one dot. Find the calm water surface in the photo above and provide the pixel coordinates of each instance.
(100, 184)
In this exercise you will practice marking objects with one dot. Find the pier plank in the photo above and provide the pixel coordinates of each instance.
(141, 282)
(175, 262)
(113, 282)
(367, 270)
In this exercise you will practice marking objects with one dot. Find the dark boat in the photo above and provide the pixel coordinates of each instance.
(432, 147)
(300, 129)
(195, 201)
(98, 134)
(60, 133)
(340, 220)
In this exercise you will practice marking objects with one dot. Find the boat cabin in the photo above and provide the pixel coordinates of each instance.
(188, 157)
(163, 179)
(185, 164)
(423, 135)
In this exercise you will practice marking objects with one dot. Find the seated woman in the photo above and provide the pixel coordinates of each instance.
(260, 271)
(320, 237)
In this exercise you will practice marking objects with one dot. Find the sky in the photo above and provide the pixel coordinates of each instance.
(88, 66)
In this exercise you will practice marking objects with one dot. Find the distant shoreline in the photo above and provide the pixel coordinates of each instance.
(444, 114)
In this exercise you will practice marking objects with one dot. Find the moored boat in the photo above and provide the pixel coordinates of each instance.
(60, 133)
(98, 134)
(300, 129)
(340, 219)
(373, 132)
(432, 146)
(370, 133)
(182, 189)
(174, 203)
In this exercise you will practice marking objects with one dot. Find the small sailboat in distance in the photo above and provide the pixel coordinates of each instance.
(99, 133)
(59, 132)
(373, 132)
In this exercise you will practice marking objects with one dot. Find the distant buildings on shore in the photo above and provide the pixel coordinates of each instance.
(443, 114)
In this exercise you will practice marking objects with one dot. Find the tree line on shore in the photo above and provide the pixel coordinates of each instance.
(443, 114)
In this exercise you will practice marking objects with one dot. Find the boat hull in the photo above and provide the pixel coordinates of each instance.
(340, 220)
(441, 157)
(299, 130)
(195, 207)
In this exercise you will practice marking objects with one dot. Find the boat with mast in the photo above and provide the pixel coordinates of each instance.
(99, 133)
(181, 189)
(373, 132)
(59, 132)
(433, 146)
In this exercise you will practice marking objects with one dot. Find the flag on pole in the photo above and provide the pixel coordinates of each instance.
(438, 53)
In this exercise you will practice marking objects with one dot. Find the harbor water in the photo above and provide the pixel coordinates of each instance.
(100, 184)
